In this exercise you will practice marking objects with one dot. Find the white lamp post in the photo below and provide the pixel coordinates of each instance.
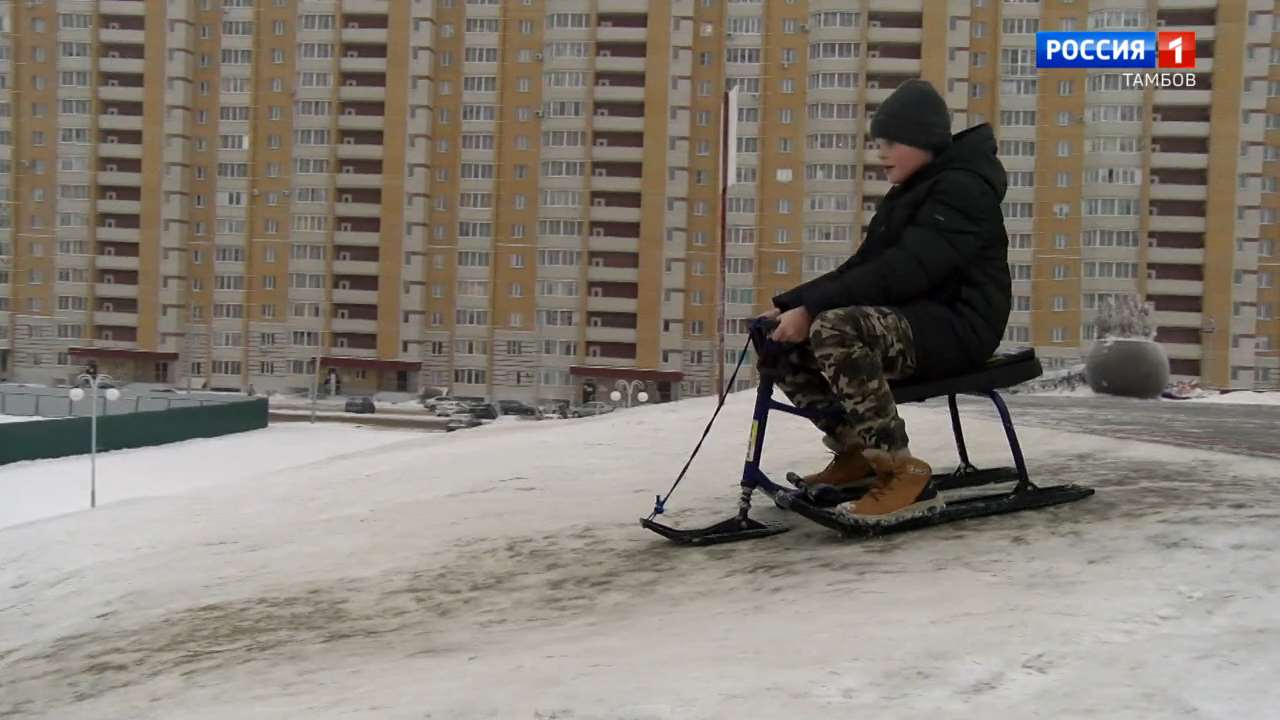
(77, 394)
(633, 388)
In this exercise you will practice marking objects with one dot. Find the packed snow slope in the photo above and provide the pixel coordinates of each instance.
(501, 573)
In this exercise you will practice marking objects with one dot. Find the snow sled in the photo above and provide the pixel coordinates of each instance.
(968, 492)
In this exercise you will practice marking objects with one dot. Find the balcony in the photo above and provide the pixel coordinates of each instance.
(338, 351)
(623, 64)
(363, 64)
(615, 244)
(621, 34)
(357, 237)
(119, 207)
(877, 95)
(899, 66)
(623, 93)
(1176, 223)
(1199, 98)
(1172, 191)
(117, 319)
(1170, 318)
(355, 297)
(362, 92)
(120, 179)
(132, 235)
(615, 214)
(117, 290)
(894, 35)
(361, 122)
(1178, 128)
(119, 150)
(121, 93)
(1196, 161)
(370, 36)
(354, 326)
(616, 122)
(1182, 351)
(1179, 256)
(1175, 287)
(122, 7)
(115, 262)
(607, 334)
(355, 267)
(352, 151)
(609, 304)
(121, 65)
(602, 153)
(619, 184)
(612, 274)
(358, 180)
(358, 209)
(114, 36)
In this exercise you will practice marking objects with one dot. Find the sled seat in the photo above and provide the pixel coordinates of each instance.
(1001, 371)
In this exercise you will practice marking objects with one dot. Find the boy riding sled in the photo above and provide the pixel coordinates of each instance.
(926, 296)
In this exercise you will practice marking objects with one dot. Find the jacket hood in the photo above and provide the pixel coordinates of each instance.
(973, 149)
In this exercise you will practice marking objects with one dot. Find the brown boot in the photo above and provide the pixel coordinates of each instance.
(848, 468)
(903, 489)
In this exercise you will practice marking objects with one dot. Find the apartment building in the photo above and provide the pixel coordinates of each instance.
(521, 199)
(215, 192)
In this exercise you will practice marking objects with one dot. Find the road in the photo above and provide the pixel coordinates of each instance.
(1241, 429)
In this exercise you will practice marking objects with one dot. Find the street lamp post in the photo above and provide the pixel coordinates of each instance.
(77, 394)
(632, 387)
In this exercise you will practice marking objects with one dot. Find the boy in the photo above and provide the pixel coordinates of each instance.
(927, 295)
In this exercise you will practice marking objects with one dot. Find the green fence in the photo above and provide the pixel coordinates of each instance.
(37, 439)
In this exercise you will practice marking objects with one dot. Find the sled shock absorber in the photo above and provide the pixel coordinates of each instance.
(744, 502)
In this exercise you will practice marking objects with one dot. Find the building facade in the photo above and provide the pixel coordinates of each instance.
(521, 199)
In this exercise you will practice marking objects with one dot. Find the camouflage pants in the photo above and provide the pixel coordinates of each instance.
(844, 372)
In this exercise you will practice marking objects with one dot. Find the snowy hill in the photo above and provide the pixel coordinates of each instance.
(501, 573)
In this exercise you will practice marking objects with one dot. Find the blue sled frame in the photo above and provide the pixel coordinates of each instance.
(1025, 495)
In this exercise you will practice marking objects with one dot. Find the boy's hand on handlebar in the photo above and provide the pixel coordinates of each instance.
(770, 314)
(793, 326)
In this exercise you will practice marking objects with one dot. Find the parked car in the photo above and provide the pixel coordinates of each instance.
(555, 409)
(359, 405)
(447, 407)
(461, 420)
(482, 410)
(592, 408)
(433, 402)
(515, 407)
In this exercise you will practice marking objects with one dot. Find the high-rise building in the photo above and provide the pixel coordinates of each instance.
(215, 192)
(521, 199)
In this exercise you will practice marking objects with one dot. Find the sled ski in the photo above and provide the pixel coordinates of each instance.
(730, 530)
(944, 483)
(971, 507)
(968, 492)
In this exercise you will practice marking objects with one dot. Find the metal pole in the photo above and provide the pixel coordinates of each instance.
(721, 285)
(315, 381)
(93, 446)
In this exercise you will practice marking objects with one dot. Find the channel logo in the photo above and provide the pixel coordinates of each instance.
(1105, 49)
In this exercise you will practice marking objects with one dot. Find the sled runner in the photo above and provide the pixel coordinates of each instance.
(968, 492)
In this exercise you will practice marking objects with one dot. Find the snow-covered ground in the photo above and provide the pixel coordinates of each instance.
(1242, 397)
(42, 488)
(501, 573)
(19, 418)
(1236, 397)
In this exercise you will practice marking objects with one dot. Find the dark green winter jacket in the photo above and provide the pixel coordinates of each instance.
(936, 250)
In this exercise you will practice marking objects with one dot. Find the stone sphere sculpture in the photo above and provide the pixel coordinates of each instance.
(1126, 360)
